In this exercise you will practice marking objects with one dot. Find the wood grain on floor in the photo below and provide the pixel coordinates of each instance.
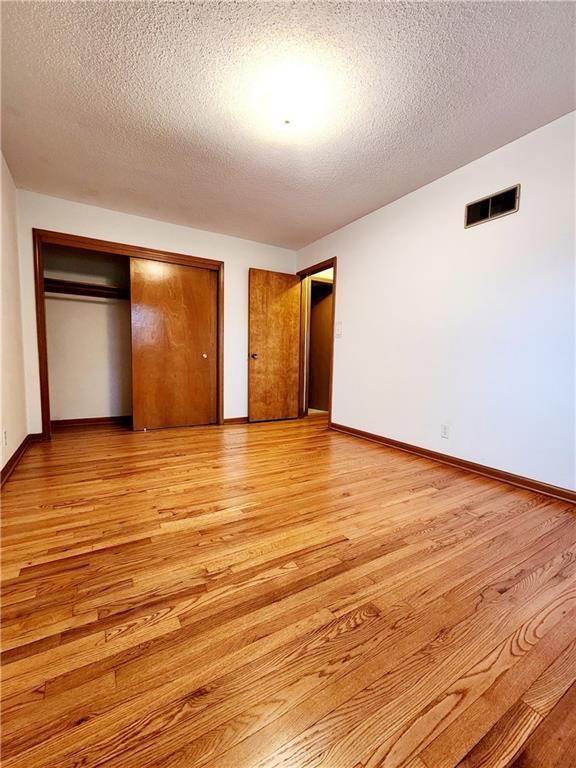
(257, 596)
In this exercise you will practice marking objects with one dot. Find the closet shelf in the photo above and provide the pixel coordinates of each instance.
(55, 285)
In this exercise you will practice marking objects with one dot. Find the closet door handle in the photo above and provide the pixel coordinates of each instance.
(254, 355)
(204, 355)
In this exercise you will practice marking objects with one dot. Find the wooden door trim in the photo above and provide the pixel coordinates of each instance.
(320, 267)
(305, 330)
(220, 345)
(41, 333)
(48, 237)
(42, 237)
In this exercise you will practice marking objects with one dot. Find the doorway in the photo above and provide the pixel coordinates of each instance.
(317, 337)
(290, 338)
(320, 341)
(164, 302)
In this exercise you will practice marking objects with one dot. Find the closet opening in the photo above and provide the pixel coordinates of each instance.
(127, 335)
(88, 337)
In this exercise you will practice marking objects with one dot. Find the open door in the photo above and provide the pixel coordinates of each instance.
(274, 345)
(174, 344)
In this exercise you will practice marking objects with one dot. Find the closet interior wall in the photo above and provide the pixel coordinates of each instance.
(87, 306)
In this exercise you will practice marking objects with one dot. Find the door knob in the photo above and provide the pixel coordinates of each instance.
(204, 355)
(254, 355)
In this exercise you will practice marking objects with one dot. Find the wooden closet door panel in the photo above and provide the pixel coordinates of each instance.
(174, 344)
(274, 345)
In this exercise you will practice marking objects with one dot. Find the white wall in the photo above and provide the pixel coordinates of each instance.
(44, 212)
(89, 356)
(470, 328)
(14, 427)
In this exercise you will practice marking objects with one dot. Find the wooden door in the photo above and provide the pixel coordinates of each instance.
(274, 346)
(320, 350)
(174, 344)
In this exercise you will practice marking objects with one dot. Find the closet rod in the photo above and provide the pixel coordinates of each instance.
(55, 285)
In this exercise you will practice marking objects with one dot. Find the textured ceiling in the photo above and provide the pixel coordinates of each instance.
(143, 108)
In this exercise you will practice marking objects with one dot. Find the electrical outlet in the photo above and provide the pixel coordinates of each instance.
(5, 437)
(444, 431)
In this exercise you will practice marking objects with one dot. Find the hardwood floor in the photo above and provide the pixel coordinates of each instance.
(280, 595)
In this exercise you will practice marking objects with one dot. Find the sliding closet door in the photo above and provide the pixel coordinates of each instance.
(174, 344)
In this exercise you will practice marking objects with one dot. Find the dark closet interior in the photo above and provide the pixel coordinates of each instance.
(320, 349)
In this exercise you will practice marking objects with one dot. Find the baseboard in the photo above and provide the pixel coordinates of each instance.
(17, 455)
(495, 474)
(92, 422)
(119, 420)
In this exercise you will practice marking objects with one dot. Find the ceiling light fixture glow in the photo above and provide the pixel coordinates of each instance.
(290, 97)
(292, 94)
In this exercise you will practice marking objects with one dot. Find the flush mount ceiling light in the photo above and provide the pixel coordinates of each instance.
(294, 95)
(290, 97)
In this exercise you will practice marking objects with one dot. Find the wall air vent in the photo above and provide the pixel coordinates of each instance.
(493, 207)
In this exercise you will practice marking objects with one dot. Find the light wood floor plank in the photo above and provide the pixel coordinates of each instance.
(279, 595)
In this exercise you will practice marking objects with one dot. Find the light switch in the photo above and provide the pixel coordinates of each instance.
(338, 332)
